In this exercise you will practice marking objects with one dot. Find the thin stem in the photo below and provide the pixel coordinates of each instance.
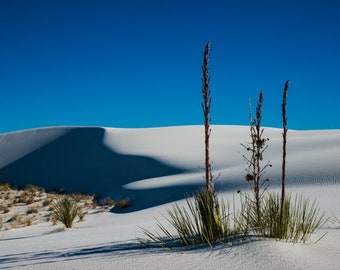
(284, 148)
(206, 112)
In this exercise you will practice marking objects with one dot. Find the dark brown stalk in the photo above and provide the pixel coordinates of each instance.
(259, 147)
(284, 147)
(256, 168)
(206, 112)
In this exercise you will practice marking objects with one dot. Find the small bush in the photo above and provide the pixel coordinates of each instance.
(27, 221)
(124, 203)
(107, 201)
(5, 187)
(46, 202)
(298, 222)
(81, 215)
(4, 208)
(15, 221)
(207, 220)
(32, 210)
(34, 189)
(65, 210)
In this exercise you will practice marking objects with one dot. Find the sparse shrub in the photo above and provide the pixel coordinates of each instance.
(124, 203)
(15, 221)
(1, 223)
(54, 220)
(27, 221)
(81, 215)
(66, 210)
(33, 189)
(4, 208)
(8, 195)
(5, 187)
(107, 201)
(25, 197)
(46, 202)
(14, 224)
(32, 210)
(295, 221)
(204, 221)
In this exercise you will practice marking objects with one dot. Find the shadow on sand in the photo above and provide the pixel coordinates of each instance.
(79, 162)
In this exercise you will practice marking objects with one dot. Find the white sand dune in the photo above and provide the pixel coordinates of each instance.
(153, 168)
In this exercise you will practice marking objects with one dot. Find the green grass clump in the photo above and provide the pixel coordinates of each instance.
(298, 221)
(66, 210)
(205, 220)
(124, 203)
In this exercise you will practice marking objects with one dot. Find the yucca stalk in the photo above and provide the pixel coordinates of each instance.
(206, 112)
(284, 149)
(255, 169)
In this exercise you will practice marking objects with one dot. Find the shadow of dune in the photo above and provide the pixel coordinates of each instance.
(78, 161)
(140, 198)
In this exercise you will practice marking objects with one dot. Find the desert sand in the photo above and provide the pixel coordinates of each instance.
(154, 168)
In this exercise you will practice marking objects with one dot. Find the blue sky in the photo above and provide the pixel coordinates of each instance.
(124, 63)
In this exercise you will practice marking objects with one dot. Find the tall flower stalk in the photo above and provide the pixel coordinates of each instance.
(207, 119)
(284, 147)
(255, 169)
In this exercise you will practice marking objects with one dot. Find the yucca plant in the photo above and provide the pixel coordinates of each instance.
(276, 218)
(211, 221)
(203, 221)
(256, 168)
(296, 221)
(66, 210)
(335, 221)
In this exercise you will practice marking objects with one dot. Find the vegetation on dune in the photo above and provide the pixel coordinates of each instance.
(206, 219)
(65, 210)
(255, 168)
(30, 205)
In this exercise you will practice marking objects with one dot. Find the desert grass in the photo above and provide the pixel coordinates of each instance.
(31, 205)
(65, 210)
(335, 222)
(204, 220)
(294, 222)
(5, 187)
(121, 204)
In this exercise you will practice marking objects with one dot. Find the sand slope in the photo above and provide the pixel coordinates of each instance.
(155, 167)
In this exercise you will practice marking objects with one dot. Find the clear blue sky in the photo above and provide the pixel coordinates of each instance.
(124, 63)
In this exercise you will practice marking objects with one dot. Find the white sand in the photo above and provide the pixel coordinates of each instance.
(155, 167)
